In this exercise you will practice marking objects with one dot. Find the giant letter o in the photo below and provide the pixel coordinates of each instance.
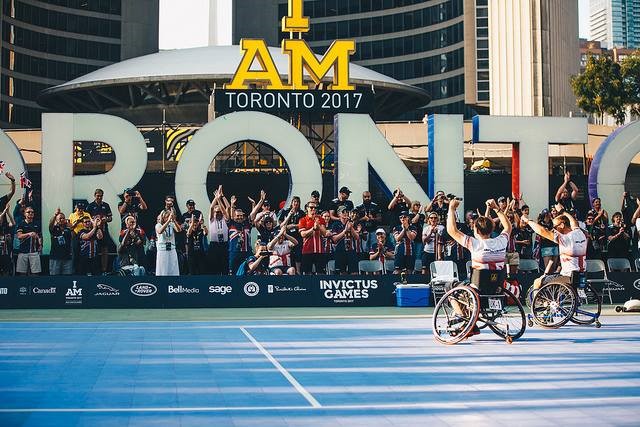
(191, 175)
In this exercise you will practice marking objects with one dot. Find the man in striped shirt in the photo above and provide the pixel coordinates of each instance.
(312, 227)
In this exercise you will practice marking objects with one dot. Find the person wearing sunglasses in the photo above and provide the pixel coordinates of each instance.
(30, 236)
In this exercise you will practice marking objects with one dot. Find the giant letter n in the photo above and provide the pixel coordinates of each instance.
(360, 144)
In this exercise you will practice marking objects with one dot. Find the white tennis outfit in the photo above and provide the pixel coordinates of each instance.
(573, 251)
(488, 254)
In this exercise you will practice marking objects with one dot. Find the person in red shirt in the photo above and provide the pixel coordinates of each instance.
(312, 227)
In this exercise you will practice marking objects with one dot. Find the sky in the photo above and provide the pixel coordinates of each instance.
(184, 23)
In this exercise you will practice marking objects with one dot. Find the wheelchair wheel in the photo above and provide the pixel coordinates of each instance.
(529, 297)
(450, 327)
(510, 323)
(553, 305)
(588, 307)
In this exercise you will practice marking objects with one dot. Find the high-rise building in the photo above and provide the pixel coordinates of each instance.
(48, 42)
(615, 23)
(418, 42)
(533, 52)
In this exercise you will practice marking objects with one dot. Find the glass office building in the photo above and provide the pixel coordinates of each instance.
(616, 23)
(48, 42)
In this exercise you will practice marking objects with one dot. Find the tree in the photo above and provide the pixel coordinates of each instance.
(599, 89)
(630, 68)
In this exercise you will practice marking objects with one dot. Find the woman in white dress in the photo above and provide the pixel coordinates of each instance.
(167, 258)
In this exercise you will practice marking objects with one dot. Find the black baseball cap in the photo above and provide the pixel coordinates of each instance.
(190, 202)
(403, 213)
(315, 193)
(345, 190)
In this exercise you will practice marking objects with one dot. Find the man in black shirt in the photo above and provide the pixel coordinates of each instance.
(30, 237)
(341, 200)
(101, 209)
(398, 204)
(60, 261)
(370, 216)
(132, 204)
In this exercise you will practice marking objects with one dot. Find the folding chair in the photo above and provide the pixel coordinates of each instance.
(418, 265)
(389, 266)
(529, 266)
(366, 266)
(468, 268)
(331, 266)
(618, 264)
(597, 266)
(637, 263)
(442, 274)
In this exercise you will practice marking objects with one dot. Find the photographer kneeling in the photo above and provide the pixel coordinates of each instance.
(258, 263)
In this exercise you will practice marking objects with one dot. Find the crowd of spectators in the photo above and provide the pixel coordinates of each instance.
(302, 238)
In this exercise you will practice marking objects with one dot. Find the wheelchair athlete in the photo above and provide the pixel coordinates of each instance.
(488, 254)
(573, 247)
(559, 303)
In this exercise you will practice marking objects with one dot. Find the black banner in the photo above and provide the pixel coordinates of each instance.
(231, 291)
(282, 101)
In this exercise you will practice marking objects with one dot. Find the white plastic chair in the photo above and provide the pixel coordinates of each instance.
(529, 265)
(442, 274)
(597, 266)
(367, 266)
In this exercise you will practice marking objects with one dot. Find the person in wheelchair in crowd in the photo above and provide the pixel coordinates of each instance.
(488, 254)
(572, 242)
(131, 248)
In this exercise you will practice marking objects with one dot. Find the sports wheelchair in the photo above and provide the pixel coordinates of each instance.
(464, 307)
(555, 303)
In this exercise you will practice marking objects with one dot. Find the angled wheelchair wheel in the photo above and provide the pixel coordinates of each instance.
(588, 307)
(553, 305)
(529, 297)
(455, 315)
(510, 321)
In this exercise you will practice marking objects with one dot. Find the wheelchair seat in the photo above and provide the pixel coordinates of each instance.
(488, 281)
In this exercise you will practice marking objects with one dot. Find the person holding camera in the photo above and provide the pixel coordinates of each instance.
(618, 237)
(440, 206)
(256, 263)
(131, 248)
(89, 237)
(132, 204)
(433, 242)
(167, 257)
(398, 204)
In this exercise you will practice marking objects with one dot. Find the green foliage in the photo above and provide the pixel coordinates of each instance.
(631, 76)
(606, 87)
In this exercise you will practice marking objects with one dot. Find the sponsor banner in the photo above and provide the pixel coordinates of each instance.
(231, 291)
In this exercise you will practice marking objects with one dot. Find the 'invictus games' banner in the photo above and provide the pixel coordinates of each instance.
(283, 101)
(232, 291)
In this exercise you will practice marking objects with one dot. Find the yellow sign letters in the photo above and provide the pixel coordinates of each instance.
(301, 58)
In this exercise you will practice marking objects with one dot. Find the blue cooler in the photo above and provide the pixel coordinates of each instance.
(413, 295)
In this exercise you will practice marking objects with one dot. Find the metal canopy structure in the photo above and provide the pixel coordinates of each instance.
(179, 83)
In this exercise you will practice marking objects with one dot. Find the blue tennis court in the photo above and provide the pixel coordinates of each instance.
(314, 372)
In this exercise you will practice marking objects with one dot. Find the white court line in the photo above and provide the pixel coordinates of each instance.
(510, 404)
(283, 371)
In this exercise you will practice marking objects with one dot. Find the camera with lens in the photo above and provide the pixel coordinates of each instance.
(265, 253)
(453, 197)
